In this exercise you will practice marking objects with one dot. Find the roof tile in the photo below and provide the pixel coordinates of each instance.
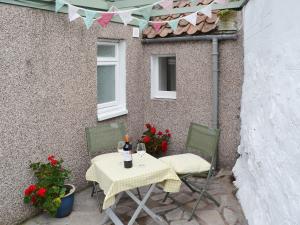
(204, 24)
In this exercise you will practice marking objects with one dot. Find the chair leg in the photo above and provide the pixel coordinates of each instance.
(139, 193)
(93, 190)
(195, 206)
(166, 196)
(210, 197)
(188, 185)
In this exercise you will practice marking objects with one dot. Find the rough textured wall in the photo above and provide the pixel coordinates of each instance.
(48, 96)
(268, 170)
(194, 93)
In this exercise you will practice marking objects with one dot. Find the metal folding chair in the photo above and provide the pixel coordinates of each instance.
(104, 139)
(205, 141)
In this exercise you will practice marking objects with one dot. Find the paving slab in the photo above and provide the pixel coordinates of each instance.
(86, 211)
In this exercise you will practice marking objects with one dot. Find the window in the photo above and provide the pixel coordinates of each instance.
(111, 80)
(163, 77)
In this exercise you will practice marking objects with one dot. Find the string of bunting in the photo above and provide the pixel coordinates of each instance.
(126, 15)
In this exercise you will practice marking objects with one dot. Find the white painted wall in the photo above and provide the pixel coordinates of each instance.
(268, 170)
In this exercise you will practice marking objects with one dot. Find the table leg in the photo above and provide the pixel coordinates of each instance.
(109, 213)
(141, 205)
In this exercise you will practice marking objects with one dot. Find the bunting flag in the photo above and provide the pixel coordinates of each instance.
(194, 2)
(157, 26)
(73, 12)
(142, 25)
(192, 18)
(221, 1)
(173, 24)
(207, 10)
(146, 12)
(89, 18)
(167, 4)
(105, 19)
(58, 5)
(125, 17)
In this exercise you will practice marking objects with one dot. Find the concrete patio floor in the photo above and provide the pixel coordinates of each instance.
(175, 210)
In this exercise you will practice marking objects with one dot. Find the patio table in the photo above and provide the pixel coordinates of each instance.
(108, 171)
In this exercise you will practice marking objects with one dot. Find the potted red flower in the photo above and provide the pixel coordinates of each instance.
(50, 193)
(156, 142)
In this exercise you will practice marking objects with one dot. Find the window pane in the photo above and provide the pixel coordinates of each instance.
(106, 83)
(167, 73)
(106, 51)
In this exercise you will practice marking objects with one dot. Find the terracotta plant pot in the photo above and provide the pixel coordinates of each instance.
(228, 21)
(67, 202)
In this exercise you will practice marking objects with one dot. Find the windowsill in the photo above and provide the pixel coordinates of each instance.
(111, 114)
(163, 95)
(163, 99)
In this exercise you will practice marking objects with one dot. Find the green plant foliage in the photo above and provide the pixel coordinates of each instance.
(46, 194)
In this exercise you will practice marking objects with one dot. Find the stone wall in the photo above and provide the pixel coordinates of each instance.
(268, 169)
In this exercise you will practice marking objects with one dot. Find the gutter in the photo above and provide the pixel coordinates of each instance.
(215, 63)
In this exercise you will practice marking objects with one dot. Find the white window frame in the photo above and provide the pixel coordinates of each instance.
(117, 107)
(155, 92)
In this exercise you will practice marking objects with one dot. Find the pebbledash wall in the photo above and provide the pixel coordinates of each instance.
(267, 172)
(48, 95)
(194, 93)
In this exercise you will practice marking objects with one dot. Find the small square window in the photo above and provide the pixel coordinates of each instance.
(163, 77)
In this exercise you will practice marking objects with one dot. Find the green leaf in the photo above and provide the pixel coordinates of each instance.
(27, 199)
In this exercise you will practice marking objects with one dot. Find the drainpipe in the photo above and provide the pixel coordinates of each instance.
(215, 63)
(215, 85)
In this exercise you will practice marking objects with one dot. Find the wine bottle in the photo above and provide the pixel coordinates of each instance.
(127, 153)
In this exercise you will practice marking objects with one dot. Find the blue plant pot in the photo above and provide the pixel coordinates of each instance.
(67, 202)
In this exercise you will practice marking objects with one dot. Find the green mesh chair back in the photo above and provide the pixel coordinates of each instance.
(104, 138)
(203, 139)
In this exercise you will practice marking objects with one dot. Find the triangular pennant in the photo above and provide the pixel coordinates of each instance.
(58, 5)
(157, 26)
(173, 24)
(167, 4)
(142, 24)
(125, 17)
(73, 12)
(194, 2)
(146, 12)
(105, 19)
(192, 18)
(207, 10)
(221, 1)
(89, 18)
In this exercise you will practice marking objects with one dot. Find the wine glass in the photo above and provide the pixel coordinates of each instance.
(120, 146)
(120, 149)
(141, 149)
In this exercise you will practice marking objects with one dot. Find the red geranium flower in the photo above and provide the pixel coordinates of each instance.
(27, 192)
(146, 139)
(33, 199)
(53, 162)
(169, 135)
(167, 130)
(164, 146)
(159, 133)
(41, 192)
(153, 130)
(32, 188)
(148, 125)
(50, 157)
